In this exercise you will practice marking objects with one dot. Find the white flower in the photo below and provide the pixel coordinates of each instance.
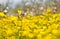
(5, 11)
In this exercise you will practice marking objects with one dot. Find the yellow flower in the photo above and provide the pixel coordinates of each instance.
(13, 18)
(43, 33)
(55, 32)
(54, 26)
(49, 36)
(31, 35)
(49, 10)
(28, 16)
(2, 14)
(25, 33)
(49, 29)
(39, 36)
(12, 37)
(26, 28)
(9, 32)
(15, 30)
(19, 11)
(44, 30)
(36, 31)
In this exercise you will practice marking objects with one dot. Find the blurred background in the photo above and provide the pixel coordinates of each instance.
(35, 7)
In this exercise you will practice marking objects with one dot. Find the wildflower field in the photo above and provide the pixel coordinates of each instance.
(45, 26)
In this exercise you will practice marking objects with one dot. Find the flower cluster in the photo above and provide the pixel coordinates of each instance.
(45, 26)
